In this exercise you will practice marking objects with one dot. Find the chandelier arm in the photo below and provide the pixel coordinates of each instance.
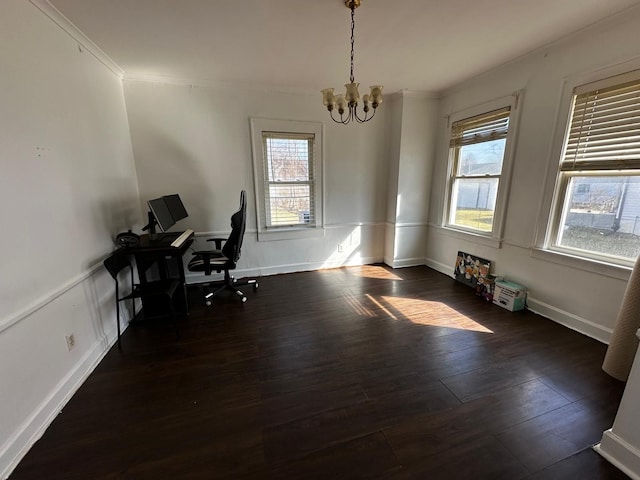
(349, 115)
(342, 120)
(352, 115)
(358, 119)
(366, 116)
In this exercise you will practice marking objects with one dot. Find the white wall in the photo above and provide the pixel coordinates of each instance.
(412, 127)
(195, 141)
(587, 301)
(67, 185)
(394, 106)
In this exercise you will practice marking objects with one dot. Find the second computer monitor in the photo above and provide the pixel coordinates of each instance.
(176, 207)
(161, 214)
(167, 210)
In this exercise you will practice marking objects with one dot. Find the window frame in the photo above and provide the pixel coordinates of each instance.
(558, 180)
(260, 126)
(494, 237)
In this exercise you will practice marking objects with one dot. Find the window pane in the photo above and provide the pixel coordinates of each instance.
(481, 158)
(473, 203)
(287, 160)
(602, 215)
(289, 205)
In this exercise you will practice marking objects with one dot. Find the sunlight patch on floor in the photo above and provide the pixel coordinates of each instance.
(376, 272)
(358, 306)
(424, 312)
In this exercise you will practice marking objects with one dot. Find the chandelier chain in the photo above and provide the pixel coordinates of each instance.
(353, 25)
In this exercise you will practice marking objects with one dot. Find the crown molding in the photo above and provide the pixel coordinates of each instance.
(208, 83)
(74, 32)
(216, 84)
(412, 94)
(420, 94)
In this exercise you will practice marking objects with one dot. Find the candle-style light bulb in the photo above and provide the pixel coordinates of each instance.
(376, 95)
(328, 98)
(341, 103)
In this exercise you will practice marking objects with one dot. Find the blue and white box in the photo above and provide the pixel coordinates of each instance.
(509, 295)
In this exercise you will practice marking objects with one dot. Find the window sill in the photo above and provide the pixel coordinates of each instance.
(469, 236)
(290, 234)
(581, 263)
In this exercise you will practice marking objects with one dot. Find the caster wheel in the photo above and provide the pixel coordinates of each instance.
(255, 286)
(244, 299)
(208, 303)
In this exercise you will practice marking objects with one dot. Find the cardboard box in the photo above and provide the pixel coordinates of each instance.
(509, 295)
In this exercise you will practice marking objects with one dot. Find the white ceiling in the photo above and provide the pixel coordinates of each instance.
(304, 44)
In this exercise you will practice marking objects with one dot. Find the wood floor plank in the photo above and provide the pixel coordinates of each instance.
(367, 457)
(585, 465)
(481, 457)
(553, 436)
(436, 433)
(360, 372)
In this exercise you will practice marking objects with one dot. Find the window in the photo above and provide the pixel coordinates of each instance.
(479, 147)
(287, 159)
(288, 179)
(597, 197)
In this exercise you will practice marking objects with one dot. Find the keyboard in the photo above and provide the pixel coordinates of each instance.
(182, 238)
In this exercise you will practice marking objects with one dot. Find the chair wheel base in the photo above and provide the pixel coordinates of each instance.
(230, 285)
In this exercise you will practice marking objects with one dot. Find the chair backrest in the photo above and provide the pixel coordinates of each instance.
(233, 245)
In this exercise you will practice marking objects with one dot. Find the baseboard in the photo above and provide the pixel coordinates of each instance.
(17, 446)
(440, 267)
(569, 320)
(620, 453)
(196, 278)
(404, 262)
(306, 267)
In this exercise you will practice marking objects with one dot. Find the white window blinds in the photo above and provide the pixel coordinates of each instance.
(289, 179)
(489, 126)
(604, 132)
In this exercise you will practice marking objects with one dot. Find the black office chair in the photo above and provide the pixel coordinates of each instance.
(224, 258)
(156, 288)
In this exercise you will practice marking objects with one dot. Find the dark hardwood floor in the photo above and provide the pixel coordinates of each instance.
(361, 372)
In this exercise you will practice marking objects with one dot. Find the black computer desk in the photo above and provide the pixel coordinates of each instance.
(158, 259)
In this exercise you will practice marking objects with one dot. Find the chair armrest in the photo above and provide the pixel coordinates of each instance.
(218, 242)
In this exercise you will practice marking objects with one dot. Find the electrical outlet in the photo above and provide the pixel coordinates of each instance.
(71, 342)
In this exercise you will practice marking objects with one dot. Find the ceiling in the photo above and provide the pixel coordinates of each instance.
(304, 44)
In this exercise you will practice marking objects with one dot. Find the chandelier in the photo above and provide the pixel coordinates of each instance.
(347, 104)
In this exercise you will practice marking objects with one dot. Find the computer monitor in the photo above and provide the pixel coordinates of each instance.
(161, 213)
(176, 207)
(165, 211)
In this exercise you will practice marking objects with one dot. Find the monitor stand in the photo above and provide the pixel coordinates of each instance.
(151, 226)
(158, 238)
